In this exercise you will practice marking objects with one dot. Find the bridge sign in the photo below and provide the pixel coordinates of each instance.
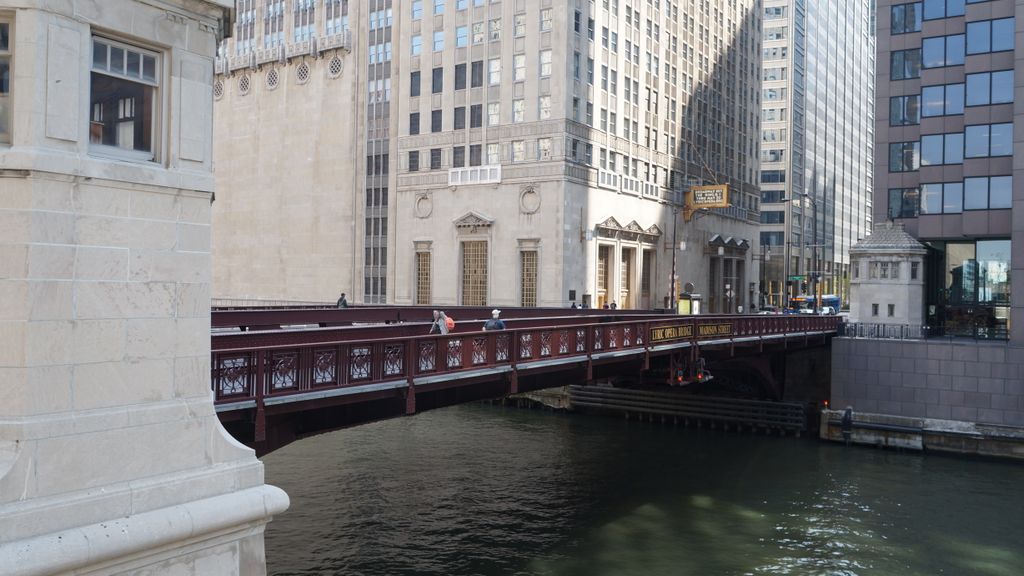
(686, 331)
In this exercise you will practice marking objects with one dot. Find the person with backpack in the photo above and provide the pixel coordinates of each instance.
(494, 323)
(442, 324)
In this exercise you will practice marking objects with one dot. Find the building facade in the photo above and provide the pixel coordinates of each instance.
(112, 457)
(817, 137)
(946, 111)
(473, 152)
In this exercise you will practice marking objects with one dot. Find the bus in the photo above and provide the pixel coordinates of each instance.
(804, 304)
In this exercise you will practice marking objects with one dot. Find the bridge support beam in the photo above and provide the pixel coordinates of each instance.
(112, 458)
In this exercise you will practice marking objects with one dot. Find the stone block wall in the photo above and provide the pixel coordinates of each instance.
(971, 381)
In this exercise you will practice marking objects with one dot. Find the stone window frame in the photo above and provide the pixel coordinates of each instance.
(158, 103)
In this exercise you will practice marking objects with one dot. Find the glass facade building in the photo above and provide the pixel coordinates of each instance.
(816, 143)
(946, 115)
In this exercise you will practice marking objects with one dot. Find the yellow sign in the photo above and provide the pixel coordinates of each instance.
(714, 196)
(666, 333)
(714, 330)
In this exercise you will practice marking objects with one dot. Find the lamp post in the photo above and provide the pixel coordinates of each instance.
(766, 254)
(803, 244)
(675, 246)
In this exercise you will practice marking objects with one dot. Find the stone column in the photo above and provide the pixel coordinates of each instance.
(112, 459)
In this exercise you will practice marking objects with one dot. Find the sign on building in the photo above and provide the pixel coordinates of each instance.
(713, 196)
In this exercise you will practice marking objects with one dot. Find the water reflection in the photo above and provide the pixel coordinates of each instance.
(481, 490)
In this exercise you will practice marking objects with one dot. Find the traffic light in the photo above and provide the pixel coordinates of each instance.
(803, 287)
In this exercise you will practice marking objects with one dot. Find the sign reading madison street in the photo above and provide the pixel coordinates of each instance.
(682, 331)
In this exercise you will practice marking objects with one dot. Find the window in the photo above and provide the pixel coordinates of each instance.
(476, 74)
(772, 238)
(892, 309)
(543, 148)
(494, 154)
(775, 53)
(904, 202)
(493, 114)
(5, 82)
(942, 51)
(435, 158)
(990, 36)
(773, 217)
(904, 156)
(417, 9)
(938, 149)
(904, 110)
(416, 45)
(905, 64)
(518, 150)
(544, 107)
(943, 9)
(461, 4)
(939, 198)
(528, 277)
(519, 67)
(461, 36)
(302, 24)
(545, 19)
(775, 33)
(988, 193)
(942, 100)
(913, 270)
(906, 18)
(459, 122)
(474, 154)
(479, 33)
(773, 176)
(773, 74)
(773, 155)
(123, 101)
(476, 115)
(874, 309)
(773, 94)
(545, 63)
(414, 83)
(414, 123)
(494, 71)
(439, 6)
(437, 81)
(519, 25)
(459, 157)
(439, 41)
(460, 76)
(414, 161)
(435, 120)
(990, 88)
(775, 13)
(423, 278)
(988, 140)
(494, 26)
(474, 273)
(518, 110)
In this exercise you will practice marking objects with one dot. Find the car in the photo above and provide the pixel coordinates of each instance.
(827, 311)
(769, 309)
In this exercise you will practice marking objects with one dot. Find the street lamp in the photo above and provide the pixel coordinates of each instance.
(813, 273)
(766, 253)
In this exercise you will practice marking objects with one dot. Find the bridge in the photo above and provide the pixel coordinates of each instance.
(282, 374)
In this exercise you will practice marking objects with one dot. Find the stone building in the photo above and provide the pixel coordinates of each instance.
(112, 458)
(469, 152)
(887, 278)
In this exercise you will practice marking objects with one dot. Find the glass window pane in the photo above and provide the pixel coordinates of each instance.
(954, 8)
(933, 52)
(976, 141)
(1002, 87)
(134, 64)
(993, 258)
(954, 149)
(1002, 34)
(5, 36)
(960, 271)
(955, 50)
(99, 55)
(898, 24)
(978, 37)
(934, 9)
(975, 193)
(955, 99)
(1000, 192)
(1001, 140)
(932, 100)
(978, 89)
(931, 198)
(931, 150)
(117, 59)
(952, 197)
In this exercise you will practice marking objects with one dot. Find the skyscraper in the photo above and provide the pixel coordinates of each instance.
(816, 143)
(487, 152)
(944, 159)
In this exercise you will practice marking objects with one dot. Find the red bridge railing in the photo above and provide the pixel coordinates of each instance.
(260, 370)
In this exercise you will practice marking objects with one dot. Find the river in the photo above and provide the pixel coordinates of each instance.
(480, 490)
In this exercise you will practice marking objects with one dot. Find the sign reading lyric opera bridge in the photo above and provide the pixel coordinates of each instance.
(714, 196)
(686, 331)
